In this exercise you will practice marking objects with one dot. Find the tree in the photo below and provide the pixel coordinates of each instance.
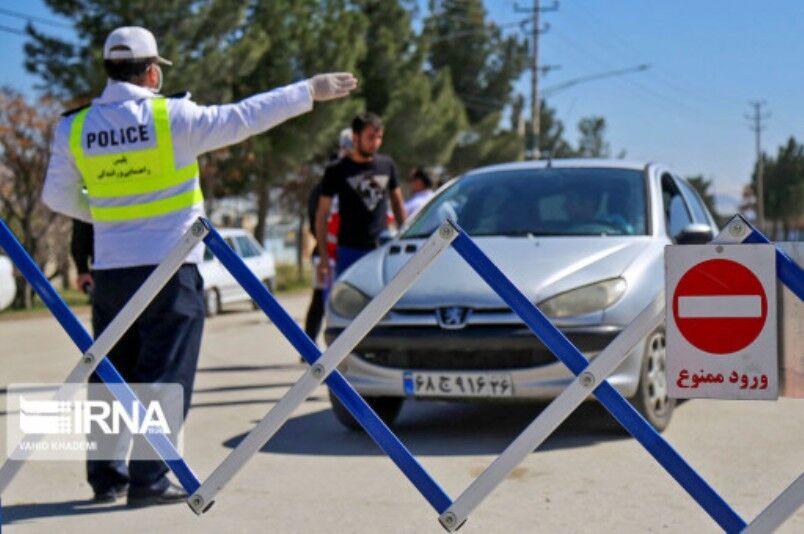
(25, 134)
(702, 185)
(592, 142)
(551, 134)
(393, 54)
(484, 64)
(784, 187)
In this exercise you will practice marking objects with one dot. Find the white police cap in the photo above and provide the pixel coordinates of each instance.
(132, 42)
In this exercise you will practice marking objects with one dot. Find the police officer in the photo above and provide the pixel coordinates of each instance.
(135, 153)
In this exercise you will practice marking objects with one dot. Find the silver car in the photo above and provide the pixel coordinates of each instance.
(582, 239)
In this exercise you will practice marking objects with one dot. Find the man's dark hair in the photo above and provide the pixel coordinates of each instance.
(364, 119)
(420, 174)
(127, 70)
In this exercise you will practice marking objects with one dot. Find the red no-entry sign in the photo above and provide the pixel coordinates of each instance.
(721, 321)
(720, 306)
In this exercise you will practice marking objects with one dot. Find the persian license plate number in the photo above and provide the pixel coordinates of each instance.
(458, 384)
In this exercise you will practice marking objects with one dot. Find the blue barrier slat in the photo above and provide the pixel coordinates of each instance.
(610, 398)
(787, 270)
(353, 402)
(105, 369)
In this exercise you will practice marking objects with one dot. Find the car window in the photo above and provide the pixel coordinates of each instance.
(694, 200)
(247, 248)
(546, 201)
(208, 254)
(232, 245)
(677, 214)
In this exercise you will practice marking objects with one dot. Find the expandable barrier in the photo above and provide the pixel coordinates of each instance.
(590, 378)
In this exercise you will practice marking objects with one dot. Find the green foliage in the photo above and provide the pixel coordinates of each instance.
(485, 146)
(592, 142)
(484, 63)
(551, 134)
(422, 122)
(288, 278)
(702, 185)
(392, 54)
(784, 184)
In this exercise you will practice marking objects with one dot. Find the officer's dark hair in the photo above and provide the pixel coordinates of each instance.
(127, 70)
(420, 174)
(364, 119)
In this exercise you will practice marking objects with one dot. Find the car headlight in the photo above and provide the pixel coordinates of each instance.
(586, 299)
(347, 301)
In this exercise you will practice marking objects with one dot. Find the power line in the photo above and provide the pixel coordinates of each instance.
(14, 31)
(597, 76)
(32, 18)
(478, 31)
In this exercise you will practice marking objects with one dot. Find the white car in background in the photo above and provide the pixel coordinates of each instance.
(8, 288)
(220, 287)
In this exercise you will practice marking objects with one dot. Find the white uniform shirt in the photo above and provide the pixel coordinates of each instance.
(194, 130)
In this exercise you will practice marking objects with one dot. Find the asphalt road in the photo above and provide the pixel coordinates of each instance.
(315, 476)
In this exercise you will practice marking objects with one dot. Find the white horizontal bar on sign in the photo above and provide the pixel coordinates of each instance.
(729, 306)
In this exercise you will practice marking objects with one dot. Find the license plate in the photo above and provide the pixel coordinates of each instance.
(458, 384)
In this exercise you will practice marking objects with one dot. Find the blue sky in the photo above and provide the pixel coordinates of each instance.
(708, 60)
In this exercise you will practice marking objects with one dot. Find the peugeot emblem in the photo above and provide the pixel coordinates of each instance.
(452, 317)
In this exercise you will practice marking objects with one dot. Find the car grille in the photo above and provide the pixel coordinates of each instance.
(459, 359)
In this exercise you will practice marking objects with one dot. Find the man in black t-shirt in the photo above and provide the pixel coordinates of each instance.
(364, 182)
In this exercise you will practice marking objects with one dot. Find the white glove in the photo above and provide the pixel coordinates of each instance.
(332, 85)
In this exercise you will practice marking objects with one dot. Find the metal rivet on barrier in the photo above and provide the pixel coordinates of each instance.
(446, 231)
(197, 229)
(196, 502)
(719, 249)
(587, 379)
(448, 520)
(737, 229)
(89, 358)
(317, 371)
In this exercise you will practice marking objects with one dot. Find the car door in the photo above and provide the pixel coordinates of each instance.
(676, 211)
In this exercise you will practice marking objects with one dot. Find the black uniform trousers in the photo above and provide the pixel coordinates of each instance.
(160, 347)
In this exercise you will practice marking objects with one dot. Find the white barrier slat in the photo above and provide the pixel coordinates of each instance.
(782, 507)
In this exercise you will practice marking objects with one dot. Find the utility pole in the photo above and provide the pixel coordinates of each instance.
(532, 136)
(757, 127)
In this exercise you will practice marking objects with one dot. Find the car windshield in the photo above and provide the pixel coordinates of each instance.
(540, 202)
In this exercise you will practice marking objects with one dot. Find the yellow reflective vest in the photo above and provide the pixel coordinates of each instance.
(133, 184)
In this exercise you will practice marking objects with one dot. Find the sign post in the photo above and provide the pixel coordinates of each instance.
(721, 322)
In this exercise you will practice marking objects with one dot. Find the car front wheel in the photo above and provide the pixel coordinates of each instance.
(651, 399)
(387, 408)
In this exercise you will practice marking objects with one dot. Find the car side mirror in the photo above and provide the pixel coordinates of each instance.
(694, 234)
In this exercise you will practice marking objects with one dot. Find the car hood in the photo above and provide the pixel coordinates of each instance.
(539, 267)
